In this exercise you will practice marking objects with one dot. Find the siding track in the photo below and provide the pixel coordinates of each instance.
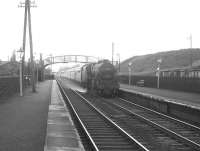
(117, 124)
(185, 130)
(165, 133)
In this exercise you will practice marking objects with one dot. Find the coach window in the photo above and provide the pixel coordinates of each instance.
(164, 74)
(191, 74)
(198, 74)
(181, 74)
(195, 74)
(175, 74)
(167, 74)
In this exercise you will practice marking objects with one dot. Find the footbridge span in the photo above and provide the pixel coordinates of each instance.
(69, 58)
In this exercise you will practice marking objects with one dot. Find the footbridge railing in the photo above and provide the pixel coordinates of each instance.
(69, 58)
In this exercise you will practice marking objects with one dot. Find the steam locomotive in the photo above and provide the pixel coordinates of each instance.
(100, 76)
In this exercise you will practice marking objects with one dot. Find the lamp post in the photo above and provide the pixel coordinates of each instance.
(158, 73)
(129, 73)
(21, 53)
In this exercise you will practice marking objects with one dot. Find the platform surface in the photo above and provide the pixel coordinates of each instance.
(61, 132)
(185, 98)
(23, 120)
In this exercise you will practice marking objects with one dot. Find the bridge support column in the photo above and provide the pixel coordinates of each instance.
(41, 74)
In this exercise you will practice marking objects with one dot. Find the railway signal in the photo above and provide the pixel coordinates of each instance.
(112, 52)
(158, 73)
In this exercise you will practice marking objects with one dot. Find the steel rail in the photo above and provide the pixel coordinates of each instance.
(178, 136)
(170, 118)
(77, 117)
(113, 123)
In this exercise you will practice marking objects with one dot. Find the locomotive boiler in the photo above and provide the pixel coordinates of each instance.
(101, 77)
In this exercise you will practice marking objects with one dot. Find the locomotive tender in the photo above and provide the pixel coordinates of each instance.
(100, 76)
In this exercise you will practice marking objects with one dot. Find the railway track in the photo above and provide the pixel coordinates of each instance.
(155, 131)
(146, 128)
(185, 130)
(102, 132)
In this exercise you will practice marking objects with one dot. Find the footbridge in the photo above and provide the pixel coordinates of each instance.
(68, 59)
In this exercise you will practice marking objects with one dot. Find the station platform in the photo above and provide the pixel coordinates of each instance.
(23, 120)
(179, 97)
(37, 121)
(61, 132)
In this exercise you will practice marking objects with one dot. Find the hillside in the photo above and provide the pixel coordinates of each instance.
(170, 59)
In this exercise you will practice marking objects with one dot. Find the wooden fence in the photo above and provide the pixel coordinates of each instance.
(173, 83)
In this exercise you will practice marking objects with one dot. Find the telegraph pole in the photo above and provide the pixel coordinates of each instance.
(112, 51)
(27, 13)
(23, 41)
(31, 48)
(190, 38)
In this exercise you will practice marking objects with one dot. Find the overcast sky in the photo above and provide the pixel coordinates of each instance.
(88, 27)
